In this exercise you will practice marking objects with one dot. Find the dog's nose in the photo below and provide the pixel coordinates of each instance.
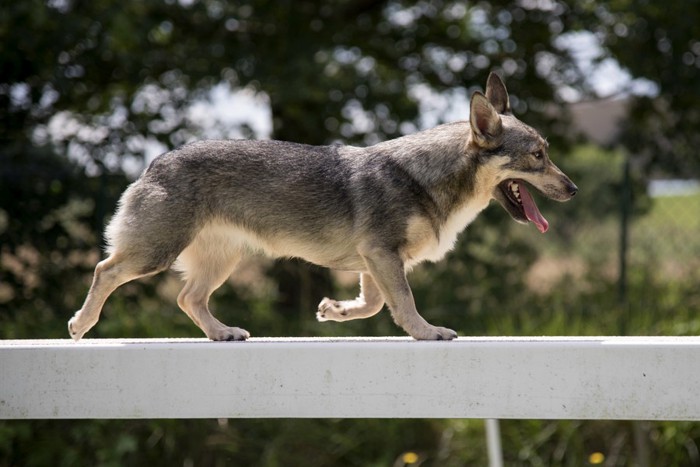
(573, 189)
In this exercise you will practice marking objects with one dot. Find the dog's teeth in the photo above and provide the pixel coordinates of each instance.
(515, 189)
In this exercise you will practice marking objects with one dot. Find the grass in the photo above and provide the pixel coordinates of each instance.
(668, 235)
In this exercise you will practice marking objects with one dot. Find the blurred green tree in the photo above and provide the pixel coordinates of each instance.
(659, 43)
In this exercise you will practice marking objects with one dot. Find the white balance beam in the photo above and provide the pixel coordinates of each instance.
(646, 378)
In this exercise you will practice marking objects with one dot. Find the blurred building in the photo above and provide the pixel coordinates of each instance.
(599, 121)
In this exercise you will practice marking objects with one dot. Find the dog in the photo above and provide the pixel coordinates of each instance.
(377, 211)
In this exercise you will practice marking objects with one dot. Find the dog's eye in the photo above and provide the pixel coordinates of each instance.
(539, 154)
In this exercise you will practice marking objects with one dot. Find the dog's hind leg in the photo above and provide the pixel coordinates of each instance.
(368, 303)
(114, 271)
(206, 264)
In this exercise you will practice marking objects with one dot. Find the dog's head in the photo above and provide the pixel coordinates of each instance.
(517, 154)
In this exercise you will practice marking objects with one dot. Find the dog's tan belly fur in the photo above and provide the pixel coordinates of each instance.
(228, 239)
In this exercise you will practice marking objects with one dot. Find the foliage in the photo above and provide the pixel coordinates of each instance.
(658, 42)
(48, 231)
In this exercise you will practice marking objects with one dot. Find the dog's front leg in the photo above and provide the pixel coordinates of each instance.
(368, 303)
(388, 271)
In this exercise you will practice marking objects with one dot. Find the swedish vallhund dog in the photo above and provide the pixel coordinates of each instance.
(378, 211)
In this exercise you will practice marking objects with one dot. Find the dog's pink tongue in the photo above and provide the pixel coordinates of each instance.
(531, 211)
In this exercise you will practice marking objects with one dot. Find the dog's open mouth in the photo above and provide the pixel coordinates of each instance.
(521, 205)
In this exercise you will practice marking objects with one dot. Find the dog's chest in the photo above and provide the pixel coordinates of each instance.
(425, 244)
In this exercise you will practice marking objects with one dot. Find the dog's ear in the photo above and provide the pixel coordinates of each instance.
(485, 121)
(497, 94)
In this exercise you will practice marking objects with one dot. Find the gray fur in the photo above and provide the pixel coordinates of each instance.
(376, 210)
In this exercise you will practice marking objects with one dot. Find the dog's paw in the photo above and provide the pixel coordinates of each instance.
(331, 310)
(76, 330)
(434, 333)
(72, 331)
(229, 334)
